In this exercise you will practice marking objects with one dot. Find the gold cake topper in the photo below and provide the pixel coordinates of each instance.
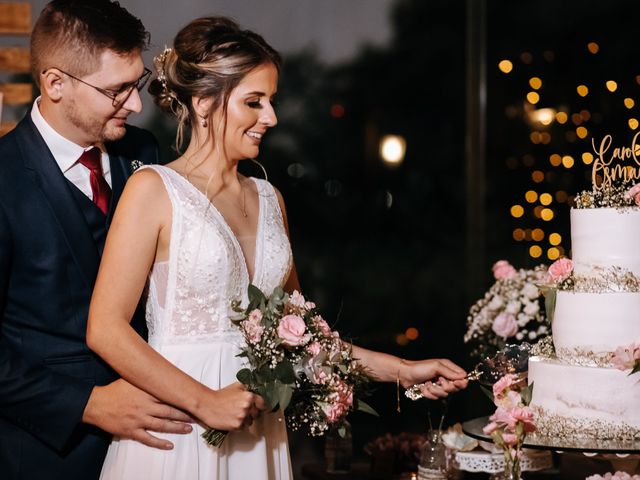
(617, 166)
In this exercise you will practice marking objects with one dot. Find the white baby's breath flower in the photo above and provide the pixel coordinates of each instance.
(496, 303)
(530, 291)
(532, 308)
(519, 336)
(513, 307)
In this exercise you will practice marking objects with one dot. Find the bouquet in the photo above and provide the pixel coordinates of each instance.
(512, 311)
(296, 363)
(512, 420)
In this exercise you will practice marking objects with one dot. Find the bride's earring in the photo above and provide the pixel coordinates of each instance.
(203, 122)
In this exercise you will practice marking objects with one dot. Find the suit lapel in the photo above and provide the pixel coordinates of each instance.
(56, 191)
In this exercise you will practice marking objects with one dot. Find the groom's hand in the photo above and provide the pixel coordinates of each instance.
(128, 412)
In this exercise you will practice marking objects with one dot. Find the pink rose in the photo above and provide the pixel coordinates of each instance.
(505, 325)
(333, 412)
(291, 331)
(634, 192)
(299, 301)
(314, 348)
(524, 415)
(252, 326)
(322, 325)
(510, 439)
(255, 316)
(560, 269)
(490, 428)
(503, 384)
(503, 270)
(503, 417)
(625, 358)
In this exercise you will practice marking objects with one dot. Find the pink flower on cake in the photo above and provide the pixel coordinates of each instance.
(634, 193)
(291, 330)
(627, 357)
(560, 269)
(505, 325)
(503, 270)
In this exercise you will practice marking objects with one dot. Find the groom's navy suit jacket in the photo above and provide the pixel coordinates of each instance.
(51, 240)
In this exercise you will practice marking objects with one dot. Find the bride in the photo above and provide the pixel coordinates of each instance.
(196, 233)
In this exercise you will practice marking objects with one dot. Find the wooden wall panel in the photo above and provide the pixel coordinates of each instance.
(15, 18)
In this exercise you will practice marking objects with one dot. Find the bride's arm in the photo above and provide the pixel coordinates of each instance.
(140, 228)
(447, 376)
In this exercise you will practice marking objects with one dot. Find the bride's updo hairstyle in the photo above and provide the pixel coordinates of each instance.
(209, 58)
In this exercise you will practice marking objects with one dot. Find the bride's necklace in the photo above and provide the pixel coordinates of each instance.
(244, 202)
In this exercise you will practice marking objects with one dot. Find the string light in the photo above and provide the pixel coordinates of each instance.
(553, 253)
(593, 47)
(629, 103)
(611, 86)
(535, 251)
(633, 123)
(555, 239)
(537, 234)
(533, 97)
(518, 234)
(517, 211)
(555, 160)
(546, 199)
(567, 161)
(505, 66)
(562, 117)
(582, 132)
(546, 214)
(537, 176)
(587, 158)
(535, 83)
(582, 90)
(531, 196)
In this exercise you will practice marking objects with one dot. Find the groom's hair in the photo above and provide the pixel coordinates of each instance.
(72, 34)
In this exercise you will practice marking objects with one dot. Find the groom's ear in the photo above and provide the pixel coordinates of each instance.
(51, 84)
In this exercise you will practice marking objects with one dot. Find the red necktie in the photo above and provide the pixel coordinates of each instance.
(92, 159)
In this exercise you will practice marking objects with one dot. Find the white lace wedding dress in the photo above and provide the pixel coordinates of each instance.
(188, 312)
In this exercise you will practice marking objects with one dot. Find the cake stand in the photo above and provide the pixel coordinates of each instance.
(624, 455)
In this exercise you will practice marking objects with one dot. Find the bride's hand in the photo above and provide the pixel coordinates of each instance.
(439, 376)
(231, 408)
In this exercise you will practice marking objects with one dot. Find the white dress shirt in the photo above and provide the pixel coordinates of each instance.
(66, 153)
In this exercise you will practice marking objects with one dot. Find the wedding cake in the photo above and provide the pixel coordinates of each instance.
(577, 391)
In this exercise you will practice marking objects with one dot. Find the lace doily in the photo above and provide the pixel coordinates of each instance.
(478, 461)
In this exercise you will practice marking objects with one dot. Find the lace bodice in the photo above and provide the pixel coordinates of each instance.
(190, 295)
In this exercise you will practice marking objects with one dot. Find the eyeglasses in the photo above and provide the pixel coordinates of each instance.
(118, 97)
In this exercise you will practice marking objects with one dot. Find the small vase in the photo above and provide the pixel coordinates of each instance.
(512, 471)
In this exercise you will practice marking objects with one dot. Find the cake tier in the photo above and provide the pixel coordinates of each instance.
(605, 238)
(588, 327)
(579, 401)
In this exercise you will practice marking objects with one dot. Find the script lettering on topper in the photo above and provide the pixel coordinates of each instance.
(611, 166)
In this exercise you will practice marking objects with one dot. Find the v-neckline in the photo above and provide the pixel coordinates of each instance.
(223, 221)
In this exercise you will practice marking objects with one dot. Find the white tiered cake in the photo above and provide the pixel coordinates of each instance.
(579, 393)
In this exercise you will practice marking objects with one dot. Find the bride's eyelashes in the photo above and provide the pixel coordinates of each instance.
(256, 104)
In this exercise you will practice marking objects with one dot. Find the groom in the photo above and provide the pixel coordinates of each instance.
(61, 173)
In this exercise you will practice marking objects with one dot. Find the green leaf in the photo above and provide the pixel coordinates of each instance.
(636, 368)
(285, 392)
(271, 395)
(526, 394)
(256, 298)
(366, 408)
(244, 376)
(550, 294)
(342, 431)
(284, 372)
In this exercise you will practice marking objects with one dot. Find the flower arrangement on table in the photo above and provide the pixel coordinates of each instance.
(511, 311)
(512, 420)
(296, 363)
